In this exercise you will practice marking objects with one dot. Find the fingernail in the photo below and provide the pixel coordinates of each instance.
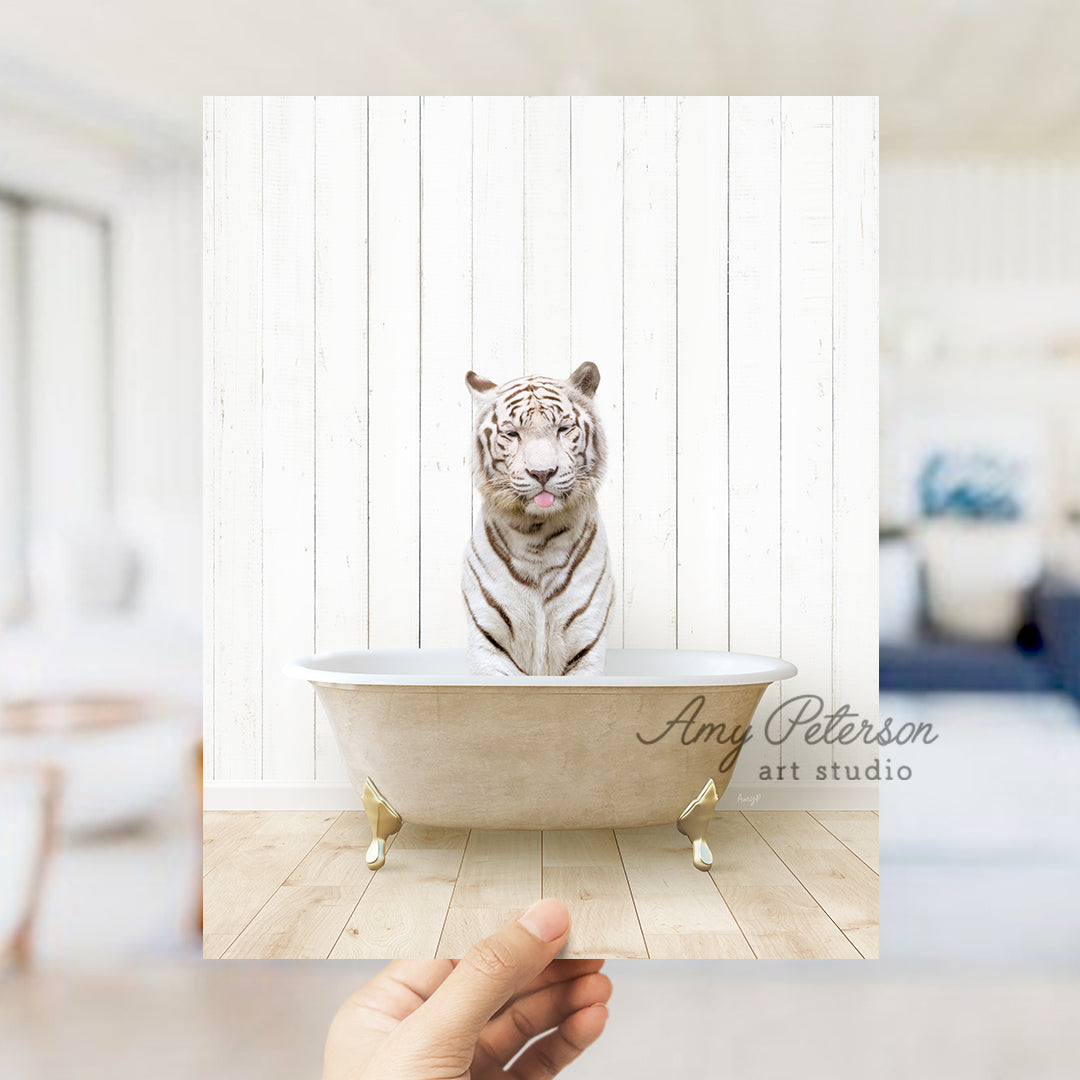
(546, 919)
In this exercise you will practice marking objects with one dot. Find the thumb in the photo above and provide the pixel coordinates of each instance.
(491, 973)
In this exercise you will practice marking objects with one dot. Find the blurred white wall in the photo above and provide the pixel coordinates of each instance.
(980, 320)
(157, 391)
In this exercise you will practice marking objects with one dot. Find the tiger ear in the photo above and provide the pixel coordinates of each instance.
(585, 378)
(478, 386)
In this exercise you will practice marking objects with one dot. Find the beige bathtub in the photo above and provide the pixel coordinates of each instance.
(652, 740)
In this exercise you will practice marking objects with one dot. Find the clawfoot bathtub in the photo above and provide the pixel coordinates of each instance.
(652, 740)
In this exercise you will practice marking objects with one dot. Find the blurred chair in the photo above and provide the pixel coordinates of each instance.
(29, 801)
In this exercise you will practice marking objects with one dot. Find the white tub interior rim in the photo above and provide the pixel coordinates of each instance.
(623, 667)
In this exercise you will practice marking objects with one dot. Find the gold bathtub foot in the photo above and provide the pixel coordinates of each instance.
(384, 821)
(694, 820)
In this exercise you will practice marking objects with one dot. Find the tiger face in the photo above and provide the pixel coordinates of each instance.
(539, 448)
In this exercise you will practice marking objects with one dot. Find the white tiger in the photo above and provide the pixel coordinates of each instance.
(537, 577)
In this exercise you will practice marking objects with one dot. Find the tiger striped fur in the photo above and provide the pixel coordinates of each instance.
(537, 578)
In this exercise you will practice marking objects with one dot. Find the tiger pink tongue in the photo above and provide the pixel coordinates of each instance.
(545, 499)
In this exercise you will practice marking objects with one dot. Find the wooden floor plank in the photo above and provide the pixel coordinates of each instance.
(798, 946)
(792, 829)
(584, 870)
(338, 858)
(844, 886)
(784, 885)
(299, 922)
(741, 856)
(773, 909)
(402, 911)
(253, 867)
(224, 831)
(214, 945)
(673, 899)
(232, 824)
(500, 877)
(857, 830)
(865, 939)
(785, 921)
(699, 946)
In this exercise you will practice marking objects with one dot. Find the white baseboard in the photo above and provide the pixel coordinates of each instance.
(776, 795)
(799, 795)
(279, 795)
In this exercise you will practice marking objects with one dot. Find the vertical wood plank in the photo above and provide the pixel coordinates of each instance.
(806, 405)
(596, 297)
(446, 230)
(498, 237)
(394, 372)
(547, 235)
(237, 422)
(288, 404)
(650, 380)
(341, 393)
(855, 405)
(754, 399)
(701, 451)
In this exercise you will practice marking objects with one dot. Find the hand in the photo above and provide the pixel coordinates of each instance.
(465, 1020)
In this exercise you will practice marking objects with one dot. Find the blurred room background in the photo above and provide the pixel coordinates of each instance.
(100, 501)
(980, 548)
(100, 413)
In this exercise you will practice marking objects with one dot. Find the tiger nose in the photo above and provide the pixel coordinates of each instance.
(541, 476)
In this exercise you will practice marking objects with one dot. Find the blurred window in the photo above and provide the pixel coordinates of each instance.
(56, 407)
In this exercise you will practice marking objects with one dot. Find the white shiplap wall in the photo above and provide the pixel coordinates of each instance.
(717, 258)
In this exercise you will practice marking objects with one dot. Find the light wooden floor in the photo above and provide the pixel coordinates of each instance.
(785, 884)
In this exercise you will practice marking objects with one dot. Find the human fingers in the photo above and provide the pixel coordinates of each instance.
(548, 1056)
(491, 973)
(557, 971)
(395, 992)
(533, 1014)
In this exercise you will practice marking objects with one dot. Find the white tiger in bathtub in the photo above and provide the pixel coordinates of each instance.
(537, 577)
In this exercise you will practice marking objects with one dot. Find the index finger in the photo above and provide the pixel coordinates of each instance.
(493, 971)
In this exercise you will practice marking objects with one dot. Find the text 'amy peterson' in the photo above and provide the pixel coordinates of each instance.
(809, 720)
